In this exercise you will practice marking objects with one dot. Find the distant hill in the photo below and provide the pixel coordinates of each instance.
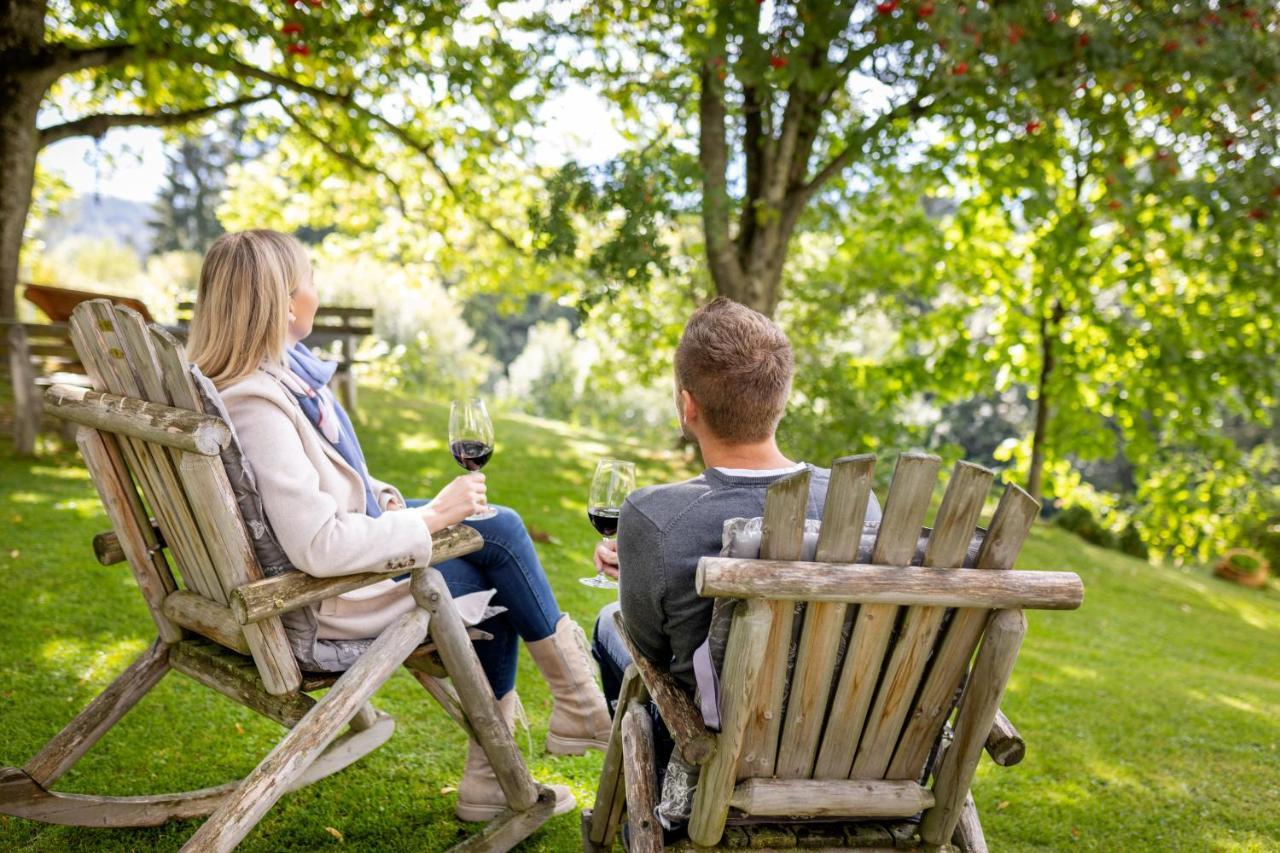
(127, 222)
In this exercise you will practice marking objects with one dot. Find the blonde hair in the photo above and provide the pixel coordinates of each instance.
(242, 307)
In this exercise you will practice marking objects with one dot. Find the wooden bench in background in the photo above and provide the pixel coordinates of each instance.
(41, 354)
(337, 334)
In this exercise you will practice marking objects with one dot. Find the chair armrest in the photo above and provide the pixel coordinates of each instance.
(106, 546)
(1004, 744)
(273, 596)
(682, 717)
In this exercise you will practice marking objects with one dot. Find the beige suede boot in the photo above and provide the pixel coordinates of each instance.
(480, 797)
(579, 718)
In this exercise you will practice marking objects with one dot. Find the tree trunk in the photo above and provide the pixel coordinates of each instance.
(19, 145)
(1048, 331)
(22, 86)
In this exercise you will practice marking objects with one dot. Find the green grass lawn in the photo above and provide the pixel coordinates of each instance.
(1152, 715)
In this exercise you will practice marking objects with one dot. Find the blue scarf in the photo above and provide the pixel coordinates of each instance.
(326, 414)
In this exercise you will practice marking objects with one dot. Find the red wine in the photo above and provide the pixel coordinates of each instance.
(471, 455)
(604, 519)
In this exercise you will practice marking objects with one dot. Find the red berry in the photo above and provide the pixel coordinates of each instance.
(1275, 193)
(1052, 17)
(1169, 46)
(1016, 33)
(1032, 126)
(778, 62)
(1258, 213)
(961, 69)
(315, 4)
(1114, 205)
(887, 8)
(1176, 112)
(291, 28)
(1083, 41)
(925, 10)
(1228, 142)
(299, 50)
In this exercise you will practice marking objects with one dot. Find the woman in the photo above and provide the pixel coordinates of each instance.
(255, 304)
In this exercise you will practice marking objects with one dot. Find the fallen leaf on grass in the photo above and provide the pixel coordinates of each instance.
(333, 832)
(1002, 805)
(448, 789)
(539, 535)
(239, 729)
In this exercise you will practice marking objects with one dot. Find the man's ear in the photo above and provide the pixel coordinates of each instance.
(688, 406)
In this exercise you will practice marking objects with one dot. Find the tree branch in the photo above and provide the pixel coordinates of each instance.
(913, 108)
(346, 156)
(65, 59)
(346, 100)
(97, 125)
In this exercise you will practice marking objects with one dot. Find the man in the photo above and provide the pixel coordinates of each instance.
(733, 372)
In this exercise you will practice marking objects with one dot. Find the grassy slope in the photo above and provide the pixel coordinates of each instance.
(1152, 715)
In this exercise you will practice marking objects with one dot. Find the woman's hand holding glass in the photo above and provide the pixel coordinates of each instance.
(462, 498)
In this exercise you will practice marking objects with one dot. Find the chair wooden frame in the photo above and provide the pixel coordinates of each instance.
(142, 431)
(807, 755)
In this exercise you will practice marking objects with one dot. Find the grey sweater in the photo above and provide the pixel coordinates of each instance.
(662, 533)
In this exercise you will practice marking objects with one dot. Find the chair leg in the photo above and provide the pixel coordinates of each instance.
(611, 792)
(978, 708)
(78, 737)
(968, 835)
(639, 778)
(474, 692)
(308, 739)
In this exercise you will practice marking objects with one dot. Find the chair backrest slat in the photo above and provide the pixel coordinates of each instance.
(1009, 528)
(848, 495)
(948, 541)
(93, 330)
(781, 539)
(900, 527)
(130, 362)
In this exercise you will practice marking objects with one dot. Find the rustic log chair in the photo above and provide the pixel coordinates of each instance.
(222, 627)
(846, 733)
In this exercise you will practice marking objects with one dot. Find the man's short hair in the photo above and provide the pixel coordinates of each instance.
(737, 365)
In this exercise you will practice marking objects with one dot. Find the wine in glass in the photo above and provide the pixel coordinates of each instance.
(614, 479)
(471, 440)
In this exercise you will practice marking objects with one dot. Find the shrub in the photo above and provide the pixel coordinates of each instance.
(1132, 543)
(1080, 521)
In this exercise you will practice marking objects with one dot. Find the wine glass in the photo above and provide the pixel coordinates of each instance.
(613, 480)
(471, 440)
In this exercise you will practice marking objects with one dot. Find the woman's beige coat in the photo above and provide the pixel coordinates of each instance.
(315, 502)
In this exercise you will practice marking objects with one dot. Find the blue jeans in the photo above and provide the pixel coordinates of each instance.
(507, 563)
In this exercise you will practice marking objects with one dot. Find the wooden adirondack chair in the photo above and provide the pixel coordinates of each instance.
(845, 734)
(142, 428)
